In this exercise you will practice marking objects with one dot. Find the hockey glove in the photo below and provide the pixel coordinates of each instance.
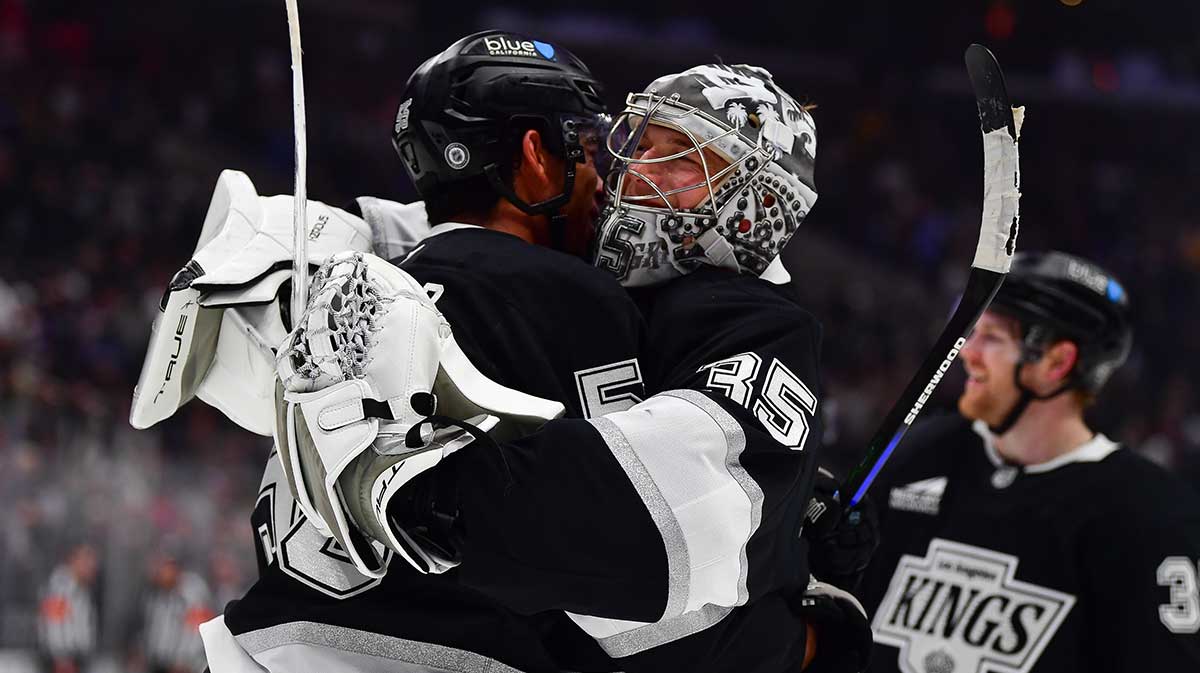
(220, 319)
(843, 631)
(373, 391)
(841, 541)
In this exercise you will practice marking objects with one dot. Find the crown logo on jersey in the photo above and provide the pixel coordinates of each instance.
(960, 609)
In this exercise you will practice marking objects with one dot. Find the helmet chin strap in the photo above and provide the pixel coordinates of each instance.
(551, 207)
(1027, 396)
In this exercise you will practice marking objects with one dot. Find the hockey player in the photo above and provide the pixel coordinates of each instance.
(717, 458)
(501, 169)
(713, 175)
(278, 614)
(416, 620)
(1015, 537)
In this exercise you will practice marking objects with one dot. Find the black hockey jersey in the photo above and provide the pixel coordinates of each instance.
(669, 531)
(531, 319)
(1085, 563)
(724, 456)
(667, 526)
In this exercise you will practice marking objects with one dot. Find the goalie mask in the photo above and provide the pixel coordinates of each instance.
(755, 148)
(373, 391)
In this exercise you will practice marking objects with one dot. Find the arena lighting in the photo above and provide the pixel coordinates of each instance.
(1000, 20)
(1105, 76)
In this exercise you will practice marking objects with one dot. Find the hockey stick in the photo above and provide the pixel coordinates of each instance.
(1001, 127)
(300, 233)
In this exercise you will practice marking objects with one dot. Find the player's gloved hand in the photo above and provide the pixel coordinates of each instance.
(373, 391)
(841, 541)
(221, 317)
(355, 392)
(843, 631)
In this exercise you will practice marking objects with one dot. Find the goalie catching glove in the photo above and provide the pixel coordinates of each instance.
(373, 391)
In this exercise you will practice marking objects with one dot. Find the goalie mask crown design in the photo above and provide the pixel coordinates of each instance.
(752, 205)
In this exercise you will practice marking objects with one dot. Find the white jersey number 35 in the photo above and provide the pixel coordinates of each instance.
(1182, 613)
(784, 403)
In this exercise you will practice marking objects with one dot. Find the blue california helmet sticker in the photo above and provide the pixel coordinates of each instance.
(1115, 291)
(509, 45)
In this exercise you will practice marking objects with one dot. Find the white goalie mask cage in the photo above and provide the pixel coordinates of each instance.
(752, 206)
(373, 391)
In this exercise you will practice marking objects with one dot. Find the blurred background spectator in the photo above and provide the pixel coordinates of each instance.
(115, 119)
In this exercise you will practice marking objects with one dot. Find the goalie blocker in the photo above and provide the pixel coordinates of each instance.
(219, 320)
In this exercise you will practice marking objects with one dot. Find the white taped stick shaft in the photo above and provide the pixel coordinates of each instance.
(1001, 198)
(300, 238)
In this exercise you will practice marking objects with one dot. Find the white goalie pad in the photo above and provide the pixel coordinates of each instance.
(370, 359)
(220, 317)
(396, 228)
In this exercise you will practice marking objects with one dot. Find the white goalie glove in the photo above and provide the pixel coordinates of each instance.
(373, 391)
(221, 317)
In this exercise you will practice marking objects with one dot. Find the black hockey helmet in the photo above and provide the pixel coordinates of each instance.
(1059, 296)
(461, 109)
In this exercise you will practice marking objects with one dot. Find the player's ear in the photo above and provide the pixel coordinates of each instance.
(1058, 361)
(535, 159)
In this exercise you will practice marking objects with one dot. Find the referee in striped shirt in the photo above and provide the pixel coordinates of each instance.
(67, 624)
(178, 602)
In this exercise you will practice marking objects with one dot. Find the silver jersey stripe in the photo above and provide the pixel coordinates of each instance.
(678, 563)
(735, 439)
(625, 638)
(434, 658)
(666, 631)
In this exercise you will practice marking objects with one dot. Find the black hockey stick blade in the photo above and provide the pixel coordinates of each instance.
(997, 242)
(991, 95)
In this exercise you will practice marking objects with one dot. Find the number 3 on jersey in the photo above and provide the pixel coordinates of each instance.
(1182, 613)
(783, 403)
